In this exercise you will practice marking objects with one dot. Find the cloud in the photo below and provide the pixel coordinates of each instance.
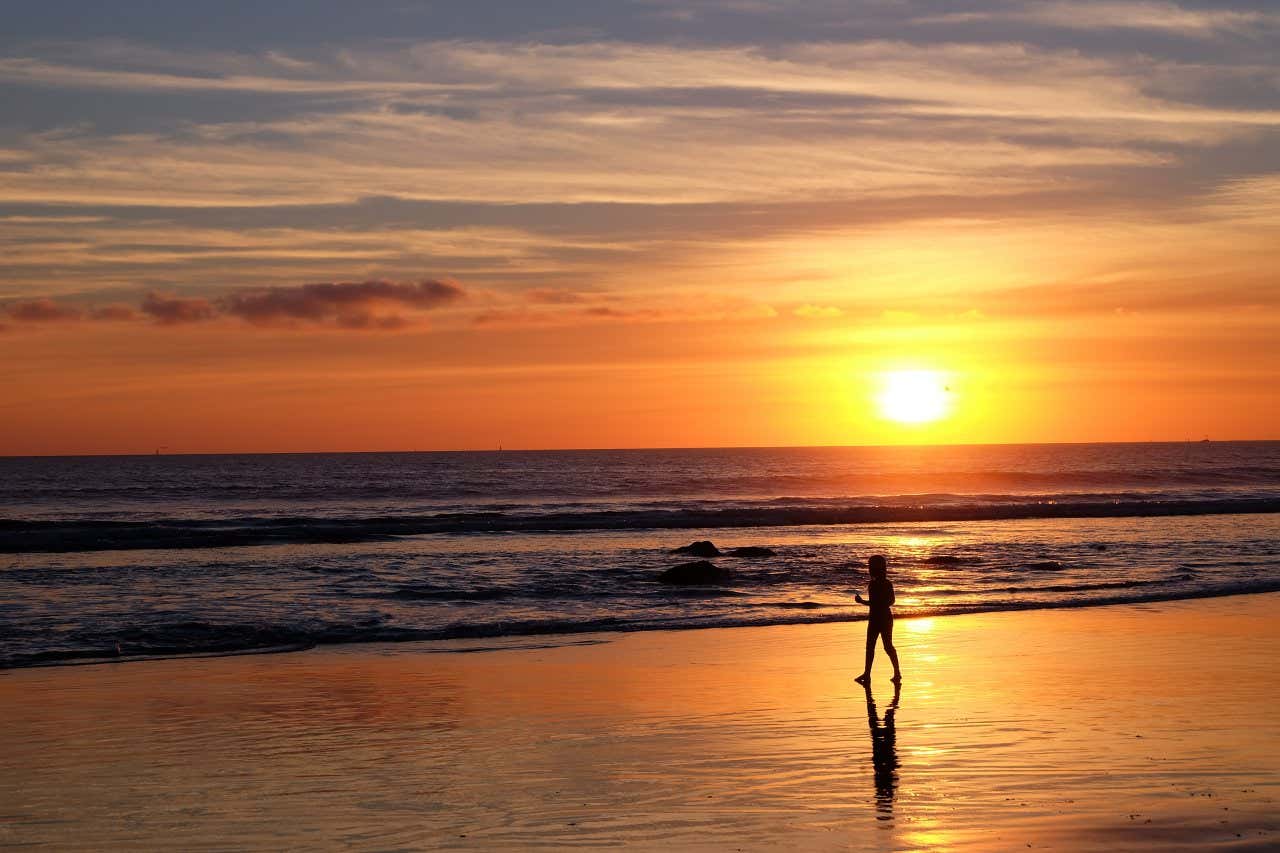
(353, 305)
(169, 310)
(610, 313)
(36, 72)
(1256, 198)
(368, 305)
(42, 311)
(636, 122)
(670, 308)
(1154, 17)
(555, 296)
(570, 173)
(384, 322)
(114, 313)
(497, 316)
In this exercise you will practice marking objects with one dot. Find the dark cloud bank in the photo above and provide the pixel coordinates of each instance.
(372, 304)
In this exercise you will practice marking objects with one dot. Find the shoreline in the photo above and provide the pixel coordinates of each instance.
(504, 641)
(1087, 729)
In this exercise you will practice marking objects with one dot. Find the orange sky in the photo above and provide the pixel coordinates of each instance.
(717, 227)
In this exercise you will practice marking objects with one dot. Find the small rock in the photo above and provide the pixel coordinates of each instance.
(752, 552)
(699, 572)
(703, 548)
(1046, 566)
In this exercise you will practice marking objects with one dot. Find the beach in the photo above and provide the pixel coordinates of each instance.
(1139, 726)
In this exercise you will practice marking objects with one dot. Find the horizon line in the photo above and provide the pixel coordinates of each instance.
(503, 449)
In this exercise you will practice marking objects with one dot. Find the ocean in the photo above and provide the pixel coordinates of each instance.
(121, 558)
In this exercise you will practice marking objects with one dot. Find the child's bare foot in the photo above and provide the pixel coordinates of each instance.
(865, 678)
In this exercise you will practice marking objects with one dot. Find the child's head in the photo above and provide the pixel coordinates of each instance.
(878, 566)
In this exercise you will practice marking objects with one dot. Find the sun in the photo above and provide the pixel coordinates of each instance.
(913, 396)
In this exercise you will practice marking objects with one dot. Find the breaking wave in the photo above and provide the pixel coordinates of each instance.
(71, 535)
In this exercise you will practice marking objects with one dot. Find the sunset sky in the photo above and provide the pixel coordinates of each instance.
(400, 225)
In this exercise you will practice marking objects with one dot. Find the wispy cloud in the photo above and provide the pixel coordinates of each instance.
(170, 310)
(31, 71)
(349, 304)
(517, 123)
(1253, 199)
(115, 313)
(1187, 19)
(1152, 16)
(41, 311)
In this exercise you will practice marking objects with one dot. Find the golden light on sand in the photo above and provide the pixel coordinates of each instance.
(913, 396)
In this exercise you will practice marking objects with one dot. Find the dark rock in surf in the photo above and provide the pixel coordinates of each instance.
(698, 572)
(703, 548)
(1046, 566)
(753, 552)
(947, 560)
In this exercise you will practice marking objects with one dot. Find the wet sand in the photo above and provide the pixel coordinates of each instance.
(1128, 727)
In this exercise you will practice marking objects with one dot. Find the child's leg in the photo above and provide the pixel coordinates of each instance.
(890, 649)
(873, 631)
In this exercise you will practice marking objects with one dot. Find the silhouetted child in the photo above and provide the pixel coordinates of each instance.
(880, 621)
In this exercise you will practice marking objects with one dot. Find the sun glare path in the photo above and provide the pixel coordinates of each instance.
(914, 396)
